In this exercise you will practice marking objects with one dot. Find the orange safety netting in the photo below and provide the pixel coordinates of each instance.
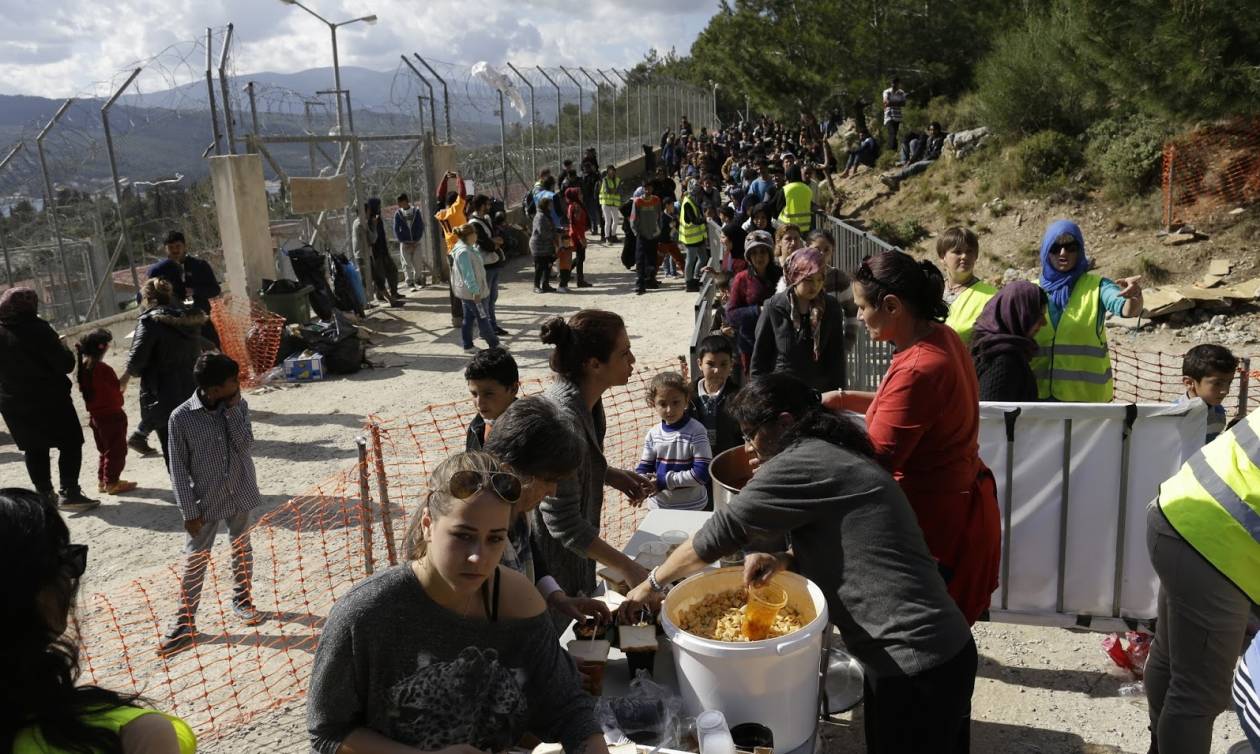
(1210, 171)
(1156, 378)
(249, 334)
(316, 546)
(306, 554)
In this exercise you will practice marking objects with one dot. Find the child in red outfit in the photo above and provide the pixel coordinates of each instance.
(104, 399)
(579, 222)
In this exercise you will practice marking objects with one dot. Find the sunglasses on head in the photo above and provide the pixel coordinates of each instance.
(464, 484)
(74, 560)
(1070, 248)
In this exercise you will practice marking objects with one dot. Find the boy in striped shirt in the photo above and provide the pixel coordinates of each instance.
(676, 452)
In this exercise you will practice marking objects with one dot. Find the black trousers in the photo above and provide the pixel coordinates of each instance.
(39, 467)
(542, 271)
(926, 713)
(645, 261)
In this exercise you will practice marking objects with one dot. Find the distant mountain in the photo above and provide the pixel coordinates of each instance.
(153, 143)
(368, 89)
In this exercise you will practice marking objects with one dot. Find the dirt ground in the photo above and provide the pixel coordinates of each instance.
(1048, 691)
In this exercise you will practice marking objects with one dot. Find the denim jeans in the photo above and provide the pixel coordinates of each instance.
(697, 258)
(474, 313)
(492, 280)
(645, 261)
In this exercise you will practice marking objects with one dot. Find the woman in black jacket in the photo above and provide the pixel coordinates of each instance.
(35, 399)
(801, 330)
(165, 348)
(1002, 343)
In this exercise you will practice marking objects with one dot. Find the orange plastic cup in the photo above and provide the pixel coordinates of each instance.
(764, 604)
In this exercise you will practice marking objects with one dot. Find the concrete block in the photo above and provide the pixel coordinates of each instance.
(240, 198)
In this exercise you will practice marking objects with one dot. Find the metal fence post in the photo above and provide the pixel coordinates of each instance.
(50, 206)
(580, 137)
(223, 83)
(4, 248)
(432, 102)
(214, 111)
(533, 148)
(124, 239)
(559, 149)
(365, 505)
(503, 148)
(599, 147)
(446, 99)
(613, 85)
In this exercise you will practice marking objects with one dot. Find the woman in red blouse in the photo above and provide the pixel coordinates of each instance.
(924, 422)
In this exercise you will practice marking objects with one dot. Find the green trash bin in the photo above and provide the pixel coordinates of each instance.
(295, 307)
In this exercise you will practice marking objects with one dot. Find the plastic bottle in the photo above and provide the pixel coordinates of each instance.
(713, 734)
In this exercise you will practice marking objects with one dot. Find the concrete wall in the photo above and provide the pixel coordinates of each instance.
(240, 199)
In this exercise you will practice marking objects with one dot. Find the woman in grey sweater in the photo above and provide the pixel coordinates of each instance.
(448, 652)
(853, 534)
(543, 244)
(592, 354)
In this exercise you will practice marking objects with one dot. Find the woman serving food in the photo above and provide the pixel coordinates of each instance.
(854, 535)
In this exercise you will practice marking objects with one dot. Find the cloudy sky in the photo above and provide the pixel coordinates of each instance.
(58, 48)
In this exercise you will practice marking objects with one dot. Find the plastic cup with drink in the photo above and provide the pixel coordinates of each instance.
(764, 604)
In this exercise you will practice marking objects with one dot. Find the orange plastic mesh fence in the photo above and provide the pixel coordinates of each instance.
(311, 550)
(1211, 171)
(305, 554)
(249, 334)
(1156, 378)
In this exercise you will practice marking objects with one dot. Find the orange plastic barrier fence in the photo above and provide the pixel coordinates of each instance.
(249, 334)
(1210, 171)
(312, 549)
(306, 554)
(1156, 378)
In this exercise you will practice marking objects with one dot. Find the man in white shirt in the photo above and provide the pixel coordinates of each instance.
(894, 101)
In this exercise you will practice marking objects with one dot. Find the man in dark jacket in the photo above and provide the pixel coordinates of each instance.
(163, 352)
(35, 399)
(189, 277)
(408, 230)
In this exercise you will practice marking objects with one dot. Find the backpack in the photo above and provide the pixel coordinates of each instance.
(338, 342)
(530, 203)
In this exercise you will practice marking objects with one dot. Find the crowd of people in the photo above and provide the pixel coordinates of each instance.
(896, 520)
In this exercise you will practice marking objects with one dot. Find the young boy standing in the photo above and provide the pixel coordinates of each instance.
(713, 389)
(493, 382)
(1207, 371)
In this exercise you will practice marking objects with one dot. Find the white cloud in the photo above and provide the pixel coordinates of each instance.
(73, 47)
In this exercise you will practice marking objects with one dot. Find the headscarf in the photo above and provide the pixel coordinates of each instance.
(1059, 284)
(1007, 319)
(800, 265)
(19, 301)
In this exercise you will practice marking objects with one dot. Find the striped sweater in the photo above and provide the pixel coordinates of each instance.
(678, 455)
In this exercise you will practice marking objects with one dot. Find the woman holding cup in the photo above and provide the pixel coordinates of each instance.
(854, 535)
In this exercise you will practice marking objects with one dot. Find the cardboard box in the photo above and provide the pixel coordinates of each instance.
(305, 367)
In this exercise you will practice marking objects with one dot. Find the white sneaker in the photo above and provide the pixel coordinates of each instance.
(563, 289)
(470, 349)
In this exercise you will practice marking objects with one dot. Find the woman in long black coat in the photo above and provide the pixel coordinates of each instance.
(165, 348)
(35, 399)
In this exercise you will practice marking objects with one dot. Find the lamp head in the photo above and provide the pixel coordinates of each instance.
(369, 19)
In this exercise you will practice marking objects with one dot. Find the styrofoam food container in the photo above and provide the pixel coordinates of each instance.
(774, 682)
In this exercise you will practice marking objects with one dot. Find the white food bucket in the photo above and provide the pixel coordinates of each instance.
(773, 681)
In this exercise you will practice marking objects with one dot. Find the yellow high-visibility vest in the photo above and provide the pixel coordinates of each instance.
(691, 234)
(31, 741)
(1214, 503)
(1072, 362)
(610, 192)
(798, 206)
(966, 309)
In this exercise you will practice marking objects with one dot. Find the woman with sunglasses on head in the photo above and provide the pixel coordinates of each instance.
(1073, 363)
(448, 652)
(924, 422)
(591, 355)
(45, 712)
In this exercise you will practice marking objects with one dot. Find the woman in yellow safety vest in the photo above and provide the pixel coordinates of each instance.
(45, 711)
(965, 293)
(1203, 535)
(1072, 362)
(610, 202)
(798, 201)
(693, 234)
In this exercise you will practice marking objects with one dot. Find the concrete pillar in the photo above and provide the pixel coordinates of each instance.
(240, 199)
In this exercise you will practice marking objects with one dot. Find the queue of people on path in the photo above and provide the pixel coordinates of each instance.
(896, 521)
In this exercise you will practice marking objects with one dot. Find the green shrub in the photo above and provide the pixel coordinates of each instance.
(902, 234)
(1032, 81)
(1042, 162)
(1124, 153)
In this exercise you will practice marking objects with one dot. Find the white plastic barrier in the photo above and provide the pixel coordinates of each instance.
(1073, 481)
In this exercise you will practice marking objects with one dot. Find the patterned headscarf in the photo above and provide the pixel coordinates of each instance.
(18, 301)
(802, 264)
